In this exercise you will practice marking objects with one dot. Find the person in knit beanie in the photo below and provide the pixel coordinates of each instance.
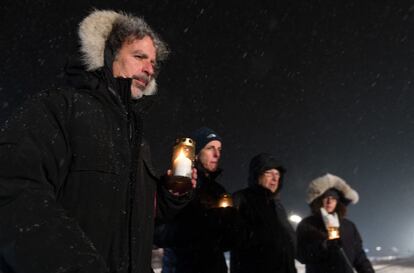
(196, 239)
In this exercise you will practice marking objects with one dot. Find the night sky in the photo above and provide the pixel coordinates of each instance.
(326, 87)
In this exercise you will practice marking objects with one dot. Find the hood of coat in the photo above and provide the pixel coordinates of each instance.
(94, 32)
(261, 163)
(320, 185)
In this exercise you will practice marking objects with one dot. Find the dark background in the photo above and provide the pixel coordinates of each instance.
(324, 85)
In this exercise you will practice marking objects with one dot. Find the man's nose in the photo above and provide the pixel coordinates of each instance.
(148, 68)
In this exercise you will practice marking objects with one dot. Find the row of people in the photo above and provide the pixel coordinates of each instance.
(78, 191)
(256, 230)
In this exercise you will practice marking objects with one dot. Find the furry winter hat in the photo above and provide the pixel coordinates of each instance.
(105, 31)
(322, 184)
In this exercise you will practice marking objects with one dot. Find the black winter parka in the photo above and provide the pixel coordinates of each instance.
(322, 256)
(267, 240)
(78, 191)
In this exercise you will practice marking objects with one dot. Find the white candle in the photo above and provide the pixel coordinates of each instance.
(182, 165)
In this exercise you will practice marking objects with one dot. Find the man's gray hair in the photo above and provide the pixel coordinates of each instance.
(104, 28)
(128, 27)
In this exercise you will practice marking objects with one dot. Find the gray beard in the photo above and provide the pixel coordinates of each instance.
(150, 89)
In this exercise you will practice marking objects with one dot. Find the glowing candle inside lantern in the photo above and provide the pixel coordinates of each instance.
(225, 201)
(224, 204)
(182, 165)
(333, 233)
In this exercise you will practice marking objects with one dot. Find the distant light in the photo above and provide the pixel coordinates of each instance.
(366, 250)
(395, 249)
(295, 218)
(378, 248)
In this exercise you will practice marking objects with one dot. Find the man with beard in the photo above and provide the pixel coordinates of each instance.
(78, 190)
(197, 238)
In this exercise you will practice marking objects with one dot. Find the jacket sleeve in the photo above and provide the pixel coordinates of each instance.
(171, 229)
(168, 205)
(361, 262)
(179, 231)
(36, 234)
(310, 244)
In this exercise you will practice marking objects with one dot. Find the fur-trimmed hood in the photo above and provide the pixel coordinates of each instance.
(96, 29)
(321, 184)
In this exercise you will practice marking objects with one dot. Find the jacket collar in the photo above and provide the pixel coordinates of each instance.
(265, 193)
(205, 176)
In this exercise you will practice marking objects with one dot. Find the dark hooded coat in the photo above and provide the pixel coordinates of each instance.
(331, 256)
(78, 191)
(322, 256)
(267, 240)
(196, 239)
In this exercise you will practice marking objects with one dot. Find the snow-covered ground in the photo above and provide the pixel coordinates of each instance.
(395, 265)
(399, 265)
(381, 265)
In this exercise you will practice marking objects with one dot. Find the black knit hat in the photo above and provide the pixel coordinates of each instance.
(261, 163)
(202, 136)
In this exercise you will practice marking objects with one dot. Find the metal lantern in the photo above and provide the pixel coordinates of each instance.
(333, 233)
(181, 165)
(225, 201)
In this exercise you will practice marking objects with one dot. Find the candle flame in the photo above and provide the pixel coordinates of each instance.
(180, 155)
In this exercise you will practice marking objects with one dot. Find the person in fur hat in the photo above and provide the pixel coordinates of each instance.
(78, 190)
(327, 241)
(267, 240)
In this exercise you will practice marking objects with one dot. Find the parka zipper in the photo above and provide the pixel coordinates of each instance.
(131, 187)
(134, 148)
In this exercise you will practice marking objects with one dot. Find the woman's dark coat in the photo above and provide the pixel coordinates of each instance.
(268, 242)
(196, 239)
(322, 256)
(77, 187)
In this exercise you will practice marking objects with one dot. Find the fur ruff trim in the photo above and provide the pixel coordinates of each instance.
(321, 184)
(94, 31)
